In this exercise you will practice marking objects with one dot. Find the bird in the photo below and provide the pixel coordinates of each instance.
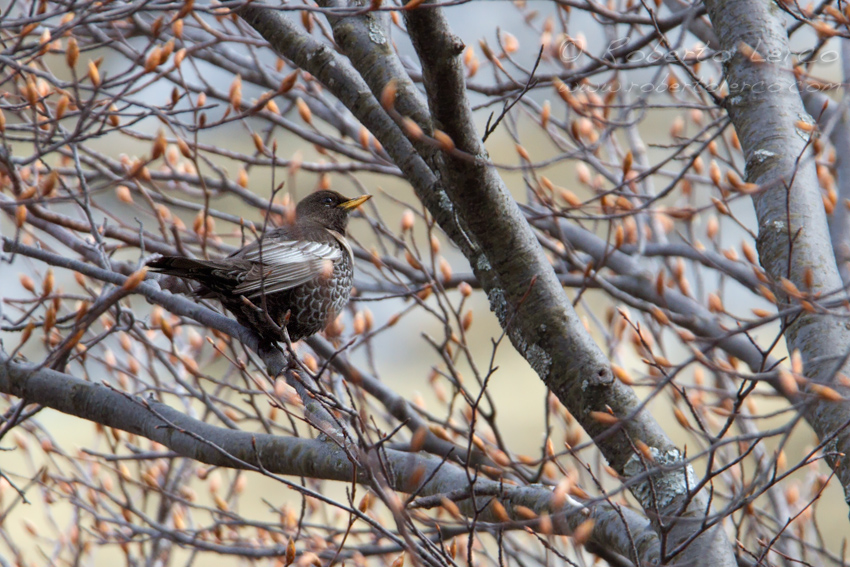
(295, 277)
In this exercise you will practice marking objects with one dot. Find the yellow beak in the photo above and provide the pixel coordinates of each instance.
(352, 204)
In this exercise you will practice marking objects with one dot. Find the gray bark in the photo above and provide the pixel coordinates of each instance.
(410, 473)
(766, 109)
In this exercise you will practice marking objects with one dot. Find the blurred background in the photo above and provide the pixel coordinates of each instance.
(403, 356)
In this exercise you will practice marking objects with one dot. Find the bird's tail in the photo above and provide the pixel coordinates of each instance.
(211, 274)
(184, 267)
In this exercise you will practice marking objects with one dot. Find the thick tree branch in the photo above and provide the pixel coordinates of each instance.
(272, 454)
(766, 109)
(532, 306)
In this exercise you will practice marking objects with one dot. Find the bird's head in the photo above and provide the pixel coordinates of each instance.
(328, 208)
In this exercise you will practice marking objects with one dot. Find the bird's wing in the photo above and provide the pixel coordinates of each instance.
(283, 264)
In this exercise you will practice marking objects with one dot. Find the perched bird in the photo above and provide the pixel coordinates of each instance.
(298, 276)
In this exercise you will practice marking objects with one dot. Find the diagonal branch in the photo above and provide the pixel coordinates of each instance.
(271, 454)
(539, 317)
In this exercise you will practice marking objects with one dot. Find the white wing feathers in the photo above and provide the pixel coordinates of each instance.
(285, 264)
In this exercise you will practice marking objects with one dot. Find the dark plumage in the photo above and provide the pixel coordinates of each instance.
(304, 270)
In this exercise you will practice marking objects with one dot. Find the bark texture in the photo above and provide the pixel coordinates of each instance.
(793, 238)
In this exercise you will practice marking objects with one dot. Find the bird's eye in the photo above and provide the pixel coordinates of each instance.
(328, 201)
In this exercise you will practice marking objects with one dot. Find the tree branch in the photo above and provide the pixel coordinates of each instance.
(272, 454)
(793, 242)
(532, 306)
